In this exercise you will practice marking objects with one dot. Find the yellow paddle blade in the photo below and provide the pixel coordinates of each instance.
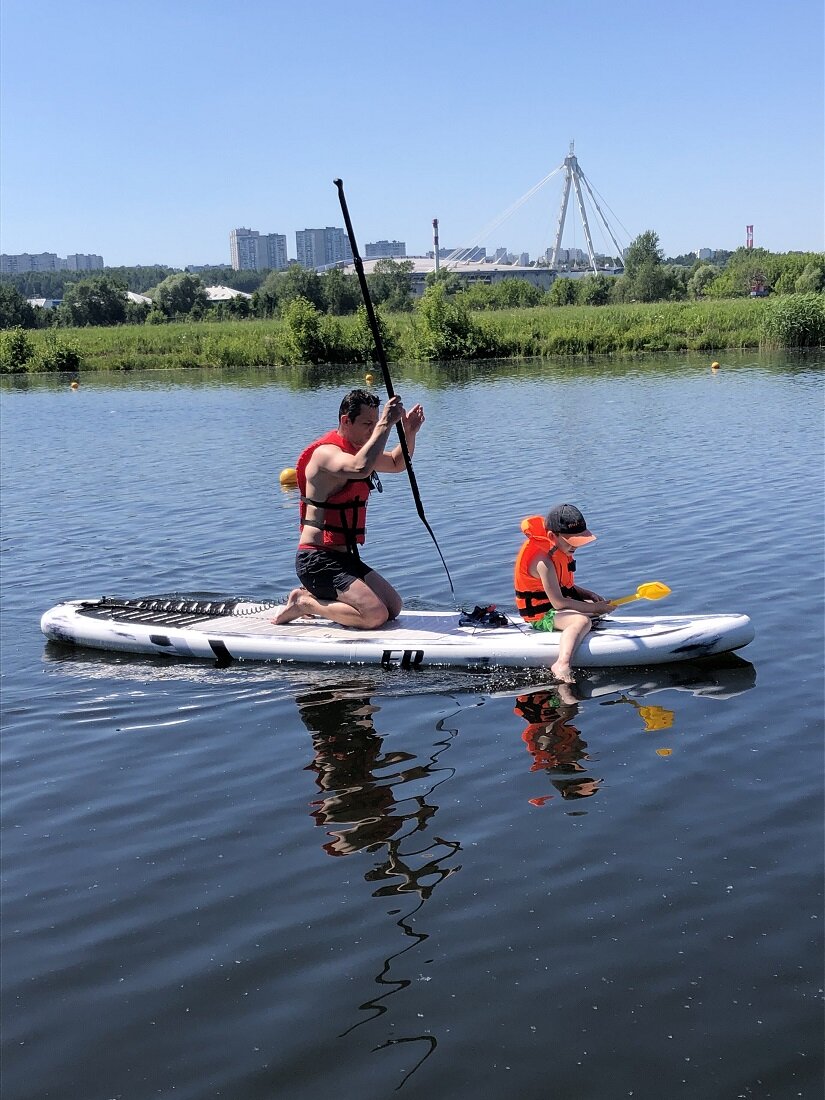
(656, 718)
(651, 590)
(653, 716)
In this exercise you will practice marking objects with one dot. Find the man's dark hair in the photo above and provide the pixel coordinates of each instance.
(354, 401)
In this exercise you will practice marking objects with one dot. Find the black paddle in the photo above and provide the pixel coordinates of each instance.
(382, 361)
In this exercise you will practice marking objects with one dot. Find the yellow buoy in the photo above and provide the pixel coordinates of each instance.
(288, 478)
(714, 366)
(369, 379)
(74, 385)
(664, 752)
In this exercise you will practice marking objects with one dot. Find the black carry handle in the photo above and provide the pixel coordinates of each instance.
(382, 361)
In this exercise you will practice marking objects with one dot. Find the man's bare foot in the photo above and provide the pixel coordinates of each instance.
(563, 673)
(293, 608)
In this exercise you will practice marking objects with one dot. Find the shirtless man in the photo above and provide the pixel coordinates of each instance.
(335, 476)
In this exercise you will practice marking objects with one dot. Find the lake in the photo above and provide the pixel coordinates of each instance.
(266, 881)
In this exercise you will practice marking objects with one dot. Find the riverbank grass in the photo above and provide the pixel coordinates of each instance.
(531, 332)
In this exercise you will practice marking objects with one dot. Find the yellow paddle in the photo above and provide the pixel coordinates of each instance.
(652, 590)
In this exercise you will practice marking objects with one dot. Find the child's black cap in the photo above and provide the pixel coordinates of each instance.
(567, 520)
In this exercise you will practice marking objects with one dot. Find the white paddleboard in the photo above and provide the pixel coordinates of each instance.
(239, 629)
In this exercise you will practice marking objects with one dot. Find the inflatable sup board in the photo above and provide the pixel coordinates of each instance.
(241, 629)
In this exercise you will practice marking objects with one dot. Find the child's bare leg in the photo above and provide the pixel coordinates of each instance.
(574, 626)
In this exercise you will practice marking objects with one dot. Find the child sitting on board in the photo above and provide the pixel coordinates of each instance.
(547, 595)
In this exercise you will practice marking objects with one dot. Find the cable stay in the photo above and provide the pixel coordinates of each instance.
(461, 254)
(605, 222)
(576, 182)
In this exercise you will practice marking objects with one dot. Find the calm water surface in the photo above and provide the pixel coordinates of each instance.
(264, 882)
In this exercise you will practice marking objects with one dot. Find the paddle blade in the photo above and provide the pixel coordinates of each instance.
(653, 590)
(650, 590)
(656, 718)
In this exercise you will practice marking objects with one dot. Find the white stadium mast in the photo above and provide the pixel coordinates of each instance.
(574, 176)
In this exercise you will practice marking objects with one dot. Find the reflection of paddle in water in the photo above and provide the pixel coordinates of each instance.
(654, 717)
(364, 799)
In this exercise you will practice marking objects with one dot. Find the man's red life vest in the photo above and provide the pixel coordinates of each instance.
(345, 513)
(531, 599)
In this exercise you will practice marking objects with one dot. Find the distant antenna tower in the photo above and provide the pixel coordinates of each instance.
(749, 236)
(574, 176)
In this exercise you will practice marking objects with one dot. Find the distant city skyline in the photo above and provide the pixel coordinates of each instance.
(23, 263)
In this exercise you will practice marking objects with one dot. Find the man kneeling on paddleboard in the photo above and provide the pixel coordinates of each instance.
(547, 595)
(335, 476)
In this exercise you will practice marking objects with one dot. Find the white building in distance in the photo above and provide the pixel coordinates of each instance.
(568, 256)
(79, 261)
(224, 294)
(478, 271)
(253, 251)
(381, 250)
(320, 248)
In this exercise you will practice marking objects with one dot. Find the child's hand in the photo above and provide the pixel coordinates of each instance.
(602, 607)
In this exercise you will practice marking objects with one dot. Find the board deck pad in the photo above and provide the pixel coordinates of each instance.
(236, 628)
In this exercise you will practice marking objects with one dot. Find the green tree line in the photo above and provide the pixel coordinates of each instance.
(101, 299)
(52, 284)
(440, 327)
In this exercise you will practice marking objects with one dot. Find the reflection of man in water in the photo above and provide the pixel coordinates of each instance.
(347, 754)
(359, 785)
(554, 742)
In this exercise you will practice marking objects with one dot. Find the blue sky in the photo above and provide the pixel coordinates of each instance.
(146, 131)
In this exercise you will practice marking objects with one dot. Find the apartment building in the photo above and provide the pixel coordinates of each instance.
(318, 248)
(22, 262)
(380, 250)
(80, 261)
(250, 250)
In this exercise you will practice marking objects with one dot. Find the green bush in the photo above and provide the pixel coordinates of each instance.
(445, 329)
(812, 279)
(562, 292)
(303, 337)
(16, 351)
(795, 321)
(56, 356)
(362, 341)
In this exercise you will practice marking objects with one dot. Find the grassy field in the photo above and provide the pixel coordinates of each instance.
(599, 330)
(541, 331)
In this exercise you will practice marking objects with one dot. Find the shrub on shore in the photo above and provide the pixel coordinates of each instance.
(795, 321)
(16, 350)
(19, 353)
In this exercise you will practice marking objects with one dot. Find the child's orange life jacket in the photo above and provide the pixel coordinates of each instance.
(531, 599)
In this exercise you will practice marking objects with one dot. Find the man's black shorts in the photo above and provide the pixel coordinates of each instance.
(325, 573)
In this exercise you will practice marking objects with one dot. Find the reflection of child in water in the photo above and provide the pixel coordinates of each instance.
(577, 788)
(554, 742)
